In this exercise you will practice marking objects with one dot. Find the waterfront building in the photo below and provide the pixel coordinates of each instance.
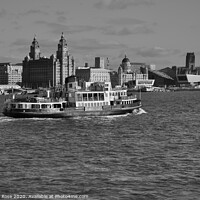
(190, 63)
(10, 74)
(171, 72)
(46, 72)
(189, 67)
(93, 74)
(125, 74)
(67, 63)
(189, 75)
(188, 80)
(40, 71)
(133, 74)
(161, 78)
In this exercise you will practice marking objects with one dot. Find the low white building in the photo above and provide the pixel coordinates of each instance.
(188, 79)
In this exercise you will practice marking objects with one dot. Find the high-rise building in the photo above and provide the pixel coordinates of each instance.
(190, 62)
(99, 62)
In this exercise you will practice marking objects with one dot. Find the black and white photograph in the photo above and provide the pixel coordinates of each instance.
(100, 99)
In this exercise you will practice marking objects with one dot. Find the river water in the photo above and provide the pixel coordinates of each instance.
(151, 155)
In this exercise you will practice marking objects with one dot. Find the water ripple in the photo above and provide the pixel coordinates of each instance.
(153, 154)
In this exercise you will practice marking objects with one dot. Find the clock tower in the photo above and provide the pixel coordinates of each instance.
(34, 50)
(63, 56)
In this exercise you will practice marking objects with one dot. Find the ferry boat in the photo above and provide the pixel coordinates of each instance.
(77, 102)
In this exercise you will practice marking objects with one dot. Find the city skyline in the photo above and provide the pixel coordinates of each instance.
(156, 32)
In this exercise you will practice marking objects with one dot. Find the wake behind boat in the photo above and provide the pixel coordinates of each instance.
(96, 99)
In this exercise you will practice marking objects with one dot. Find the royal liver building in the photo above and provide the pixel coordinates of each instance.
(40, 71)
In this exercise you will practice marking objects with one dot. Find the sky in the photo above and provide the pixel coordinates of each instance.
(158, 32)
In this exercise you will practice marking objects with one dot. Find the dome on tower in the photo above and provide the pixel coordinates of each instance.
(125, 60)
(126, 65)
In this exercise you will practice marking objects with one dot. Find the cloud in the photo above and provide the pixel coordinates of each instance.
(93, 44)
(155, 52)
(21, 42)
(125, 21)
(87, 48)
(122, 31)
(46, 46)
(34, 12)
(2, 13)
(121, 4)
(61, 16)
(10, 59)
(58, 28)
(128, 26)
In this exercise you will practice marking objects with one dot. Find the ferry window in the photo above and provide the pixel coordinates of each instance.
(95, 97)
(101, 96)
(91, 104)
(35, 106)
(90, 96)
(57, 105)
(79, 97)
(44, 106)
(20, 105)
(70, 85)
(84, 97)
(98, 104)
